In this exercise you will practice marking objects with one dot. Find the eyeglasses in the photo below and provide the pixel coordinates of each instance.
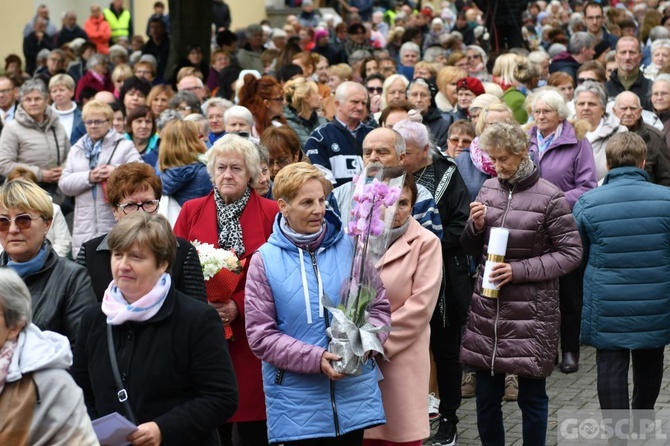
(6, 91)
(95, 123)
(543, 112)
(375, 90)
(460, 141)
(148, 206)
(196, 88)
(593, 17)
(581, 80)
(21, 221)
(185, 108)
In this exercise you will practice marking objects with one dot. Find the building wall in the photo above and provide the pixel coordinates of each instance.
(14, 18)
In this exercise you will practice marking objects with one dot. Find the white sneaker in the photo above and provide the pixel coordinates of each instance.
(433, 406)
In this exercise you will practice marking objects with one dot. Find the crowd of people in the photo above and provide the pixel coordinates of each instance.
(550, 120)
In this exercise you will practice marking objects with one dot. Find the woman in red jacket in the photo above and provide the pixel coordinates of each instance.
(234, 217)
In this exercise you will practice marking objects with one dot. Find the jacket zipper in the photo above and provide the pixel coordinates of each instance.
(495, 322)
(336, 421)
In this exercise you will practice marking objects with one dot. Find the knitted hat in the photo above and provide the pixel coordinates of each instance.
(472, 84)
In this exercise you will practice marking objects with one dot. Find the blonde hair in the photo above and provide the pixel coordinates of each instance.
(121, 73)
(159, 89)
(231, 143)
(341, 70)
(144, 229)
(188, 71)
(299, 89)
(180, 144)
(290, 179)
(62, 79)
(428, 66)
(497, 107)
(97, 106)
(504, 67)
(27, 197)
(447, 75)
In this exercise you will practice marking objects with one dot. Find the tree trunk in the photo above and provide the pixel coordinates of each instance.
(190, 23)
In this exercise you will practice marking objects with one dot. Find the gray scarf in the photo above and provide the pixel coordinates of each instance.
(228, 219)
(523, 171)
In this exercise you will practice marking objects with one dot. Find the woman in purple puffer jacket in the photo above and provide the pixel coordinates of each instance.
(517, 332)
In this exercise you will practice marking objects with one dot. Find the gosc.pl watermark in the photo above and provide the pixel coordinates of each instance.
(613, 427)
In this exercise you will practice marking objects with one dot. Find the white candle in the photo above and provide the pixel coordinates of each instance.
(496, 254)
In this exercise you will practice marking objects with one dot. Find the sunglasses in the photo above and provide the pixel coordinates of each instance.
(375, 90)
(460, 141)
(581, 80)
(21, 221)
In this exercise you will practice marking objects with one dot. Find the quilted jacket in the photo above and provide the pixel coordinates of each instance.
(518, 331)
(625, 227)
(286, 329)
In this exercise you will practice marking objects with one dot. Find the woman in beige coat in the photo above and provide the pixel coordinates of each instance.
(411, 271)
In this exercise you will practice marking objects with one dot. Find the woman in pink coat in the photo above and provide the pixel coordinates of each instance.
(411, 271)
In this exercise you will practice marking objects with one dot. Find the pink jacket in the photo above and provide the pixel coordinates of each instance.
(411, 271)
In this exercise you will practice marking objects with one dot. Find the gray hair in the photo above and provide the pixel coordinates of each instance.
(579, 41)
(555, 49)
(537, 57)
(167, 116)
(409, 47)
(237, 111)
(345, 88)
(199, 119)
(15, 299)
(433, 52)
(263, 153)
(358, 56)
(231, 143)
(554, 101)
(506, 135)
(595, 88)
(221, 103)
(33, 85)
(185, 96)
(657, 33)
(664, 77)
(95, 60)
(660, 43)
(150, 58)
(479, 50)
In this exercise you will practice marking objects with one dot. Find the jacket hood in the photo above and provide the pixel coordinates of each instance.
(563, 56)
(610, 127)
(627, 172)
(334, 232)
(22, 116)
(39, 350)
(185, 173)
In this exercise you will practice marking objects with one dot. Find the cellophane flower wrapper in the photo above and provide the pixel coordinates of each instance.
(222, 272)
(352, 336)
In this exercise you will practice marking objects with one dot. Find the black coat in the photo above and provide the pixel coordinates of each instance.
(186, 273)
(68, 35)
(61, 292)
(438, 126)
(32, 46)
(641, 87)
(175, 367)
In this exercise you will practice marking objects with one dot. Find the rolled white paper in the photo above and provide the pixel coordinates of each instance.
(496, 254)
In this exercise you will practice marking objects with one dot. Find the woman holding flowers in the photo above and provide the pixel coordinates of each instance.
(411, 271)
(234, 217)
(308, 401)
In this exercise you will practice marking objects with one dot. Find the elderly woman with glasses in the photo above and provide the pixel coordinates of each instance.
(591, 106)
(170, 349)
(135, 187)
(35, 138)
(234, 217)
(97, 76)
(89, 165)
(61, 290)
(283, 148)
(564, 158)
(39, 401)
(421, 95)
(660, 99)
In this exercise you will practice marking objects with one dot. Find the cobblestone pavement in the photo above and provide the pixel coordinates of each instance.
(571, 392)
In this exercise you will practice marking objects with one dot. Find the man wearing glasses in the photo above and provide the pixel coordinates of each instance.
(8, 101)
(595, 24)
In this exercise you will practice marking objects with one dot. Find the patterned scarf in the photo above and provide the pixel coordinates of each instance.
(543, 142)
(6, 353)
(480, 159)
(119, 311)
(524, 170)
(92, 150)
(228, 218)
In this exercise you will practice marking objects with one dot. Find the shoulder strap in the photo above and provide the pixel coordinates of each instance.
(122, 394)
(113, 151)
(53, 130)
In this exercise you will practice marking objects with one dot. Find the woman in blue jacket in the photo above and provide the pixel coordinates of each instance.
(181, 170)
(286, 324)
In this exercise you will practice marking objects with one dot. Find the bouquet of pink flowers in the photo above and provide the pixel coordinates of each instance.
(221, 269)
(352, 336)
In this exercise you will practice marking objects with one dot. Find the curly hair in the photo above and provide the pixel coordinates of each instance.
(253, 94)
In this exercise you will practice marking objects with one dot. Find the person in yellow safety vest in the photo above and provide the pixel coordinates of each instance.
(119, 20)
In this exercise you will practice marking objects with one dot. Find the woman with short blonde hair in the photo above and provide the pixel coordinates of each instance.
(61, 90)
(446, 82)
(303, 103)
